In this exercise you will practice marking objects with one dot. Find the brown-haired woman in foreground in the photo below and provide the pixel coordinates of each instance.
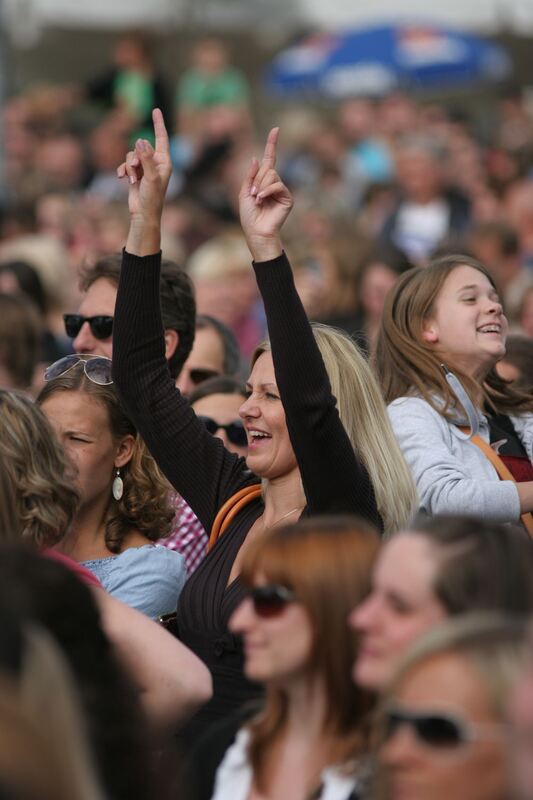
(309, 739)
(443, 331)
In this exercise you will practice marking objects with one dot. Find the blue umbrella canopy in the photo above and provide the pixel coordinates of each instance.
(380, 59)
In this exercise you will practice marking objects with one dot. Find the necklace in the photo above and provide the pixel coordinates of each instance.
(283, 516)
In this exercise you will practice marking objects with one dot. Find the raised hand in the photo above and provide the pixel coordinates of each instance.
(148, 172)
(264, 203)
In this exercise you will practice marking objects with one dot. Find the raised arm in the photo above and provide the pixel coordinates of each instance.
(196, 463)
(334, 479)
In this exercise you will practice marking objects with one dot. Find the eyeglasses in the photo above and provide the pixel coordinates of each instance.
(199, 375)
(96, 368)
(234, 430)
(101, 326)
(439, 731)
(270, 601)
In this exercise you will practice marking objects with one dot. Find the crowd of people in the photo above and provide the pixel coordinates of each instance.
(266, 444)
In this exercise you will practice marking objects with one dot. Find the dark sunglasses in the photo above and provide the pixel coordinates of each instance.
(199, 375)
(439, 731)
(101, 326)
(96, 368)
(234, 430)
(270, 601)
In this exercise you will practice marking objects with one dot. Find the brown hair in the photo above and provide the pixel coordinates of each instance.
(406, 365)
(328, 563)
(145, 504)
(482, 566)
(20, 339)
(35, 474)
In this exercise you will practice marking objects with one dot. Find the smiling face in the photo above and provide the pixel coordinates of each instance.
(277, 649)
(270, 453)
(83, 430)
(467, 327)
(474, 770)
(400, 608)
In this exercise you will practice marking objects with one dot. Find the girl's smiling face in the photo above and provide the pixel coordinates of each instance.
(467, 327)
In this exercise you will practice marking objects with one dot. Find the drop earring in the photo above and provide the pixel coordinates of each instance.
(118, 486)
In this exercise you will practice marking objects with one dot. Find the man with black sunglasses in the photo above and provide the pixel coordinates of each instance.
(92, 327)
(92, 332)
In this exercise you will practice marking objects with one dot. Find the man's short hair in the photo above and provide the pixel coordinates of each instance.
(176, 293)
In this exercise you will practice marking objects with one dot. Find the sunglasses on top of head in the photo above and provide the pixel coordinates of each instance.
(96, 368)
(101, 325)
(234, 430)
(440, 731)
(272, 600)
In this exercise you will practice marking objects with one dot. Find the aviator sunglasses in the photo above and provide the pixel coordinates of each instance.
(437, 730)
(234, 430)
(96, 368)
(101, 326)
(271, 600)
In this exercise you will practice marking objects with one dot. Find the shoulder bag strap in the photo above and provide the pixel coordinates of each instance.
(230, 509)
(504, 473)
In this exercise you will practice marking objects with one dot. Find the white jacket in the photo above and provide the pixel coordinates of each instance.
(452, 475)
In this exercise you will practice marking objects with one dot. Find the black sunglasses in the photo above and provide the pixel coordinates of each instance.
(199, 375)
(439, 731)
(101, 326)
(234, 430)
(97, 368)
(271, 600)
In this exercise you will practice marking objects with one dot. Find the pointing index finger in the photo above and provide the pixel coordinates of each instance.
(161, 135)
(269, 156)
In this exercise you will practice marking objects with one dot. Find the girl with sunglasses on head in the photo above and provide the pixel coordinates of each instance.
(466, 433)
(310, 456)
(39, 505)
(442, 729)
(124, 499)
(308, 740)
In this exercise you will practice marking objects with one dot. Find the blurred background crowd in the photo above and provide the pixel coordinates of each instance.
(384, 178)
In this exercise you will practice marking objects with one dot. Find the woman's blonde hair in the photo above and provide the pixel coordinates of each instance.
(406, 365)
(145, 504)
(364, 416)
(328, 563)
(494, 644)
(36, 480)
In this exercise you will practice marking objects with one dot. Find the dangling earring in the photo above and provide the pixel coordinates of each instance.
(118, 486)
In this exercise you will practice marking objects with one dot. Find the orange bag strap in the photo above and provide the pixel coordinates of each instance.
(230, 509)
(504, 473)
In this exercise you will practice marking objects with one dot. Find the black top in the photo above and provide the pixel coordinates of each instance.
(206, 474)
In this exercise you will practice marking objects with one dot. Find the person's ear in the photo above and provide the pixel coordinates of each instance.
(172, 339)
(430, 332)
(124, 450)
